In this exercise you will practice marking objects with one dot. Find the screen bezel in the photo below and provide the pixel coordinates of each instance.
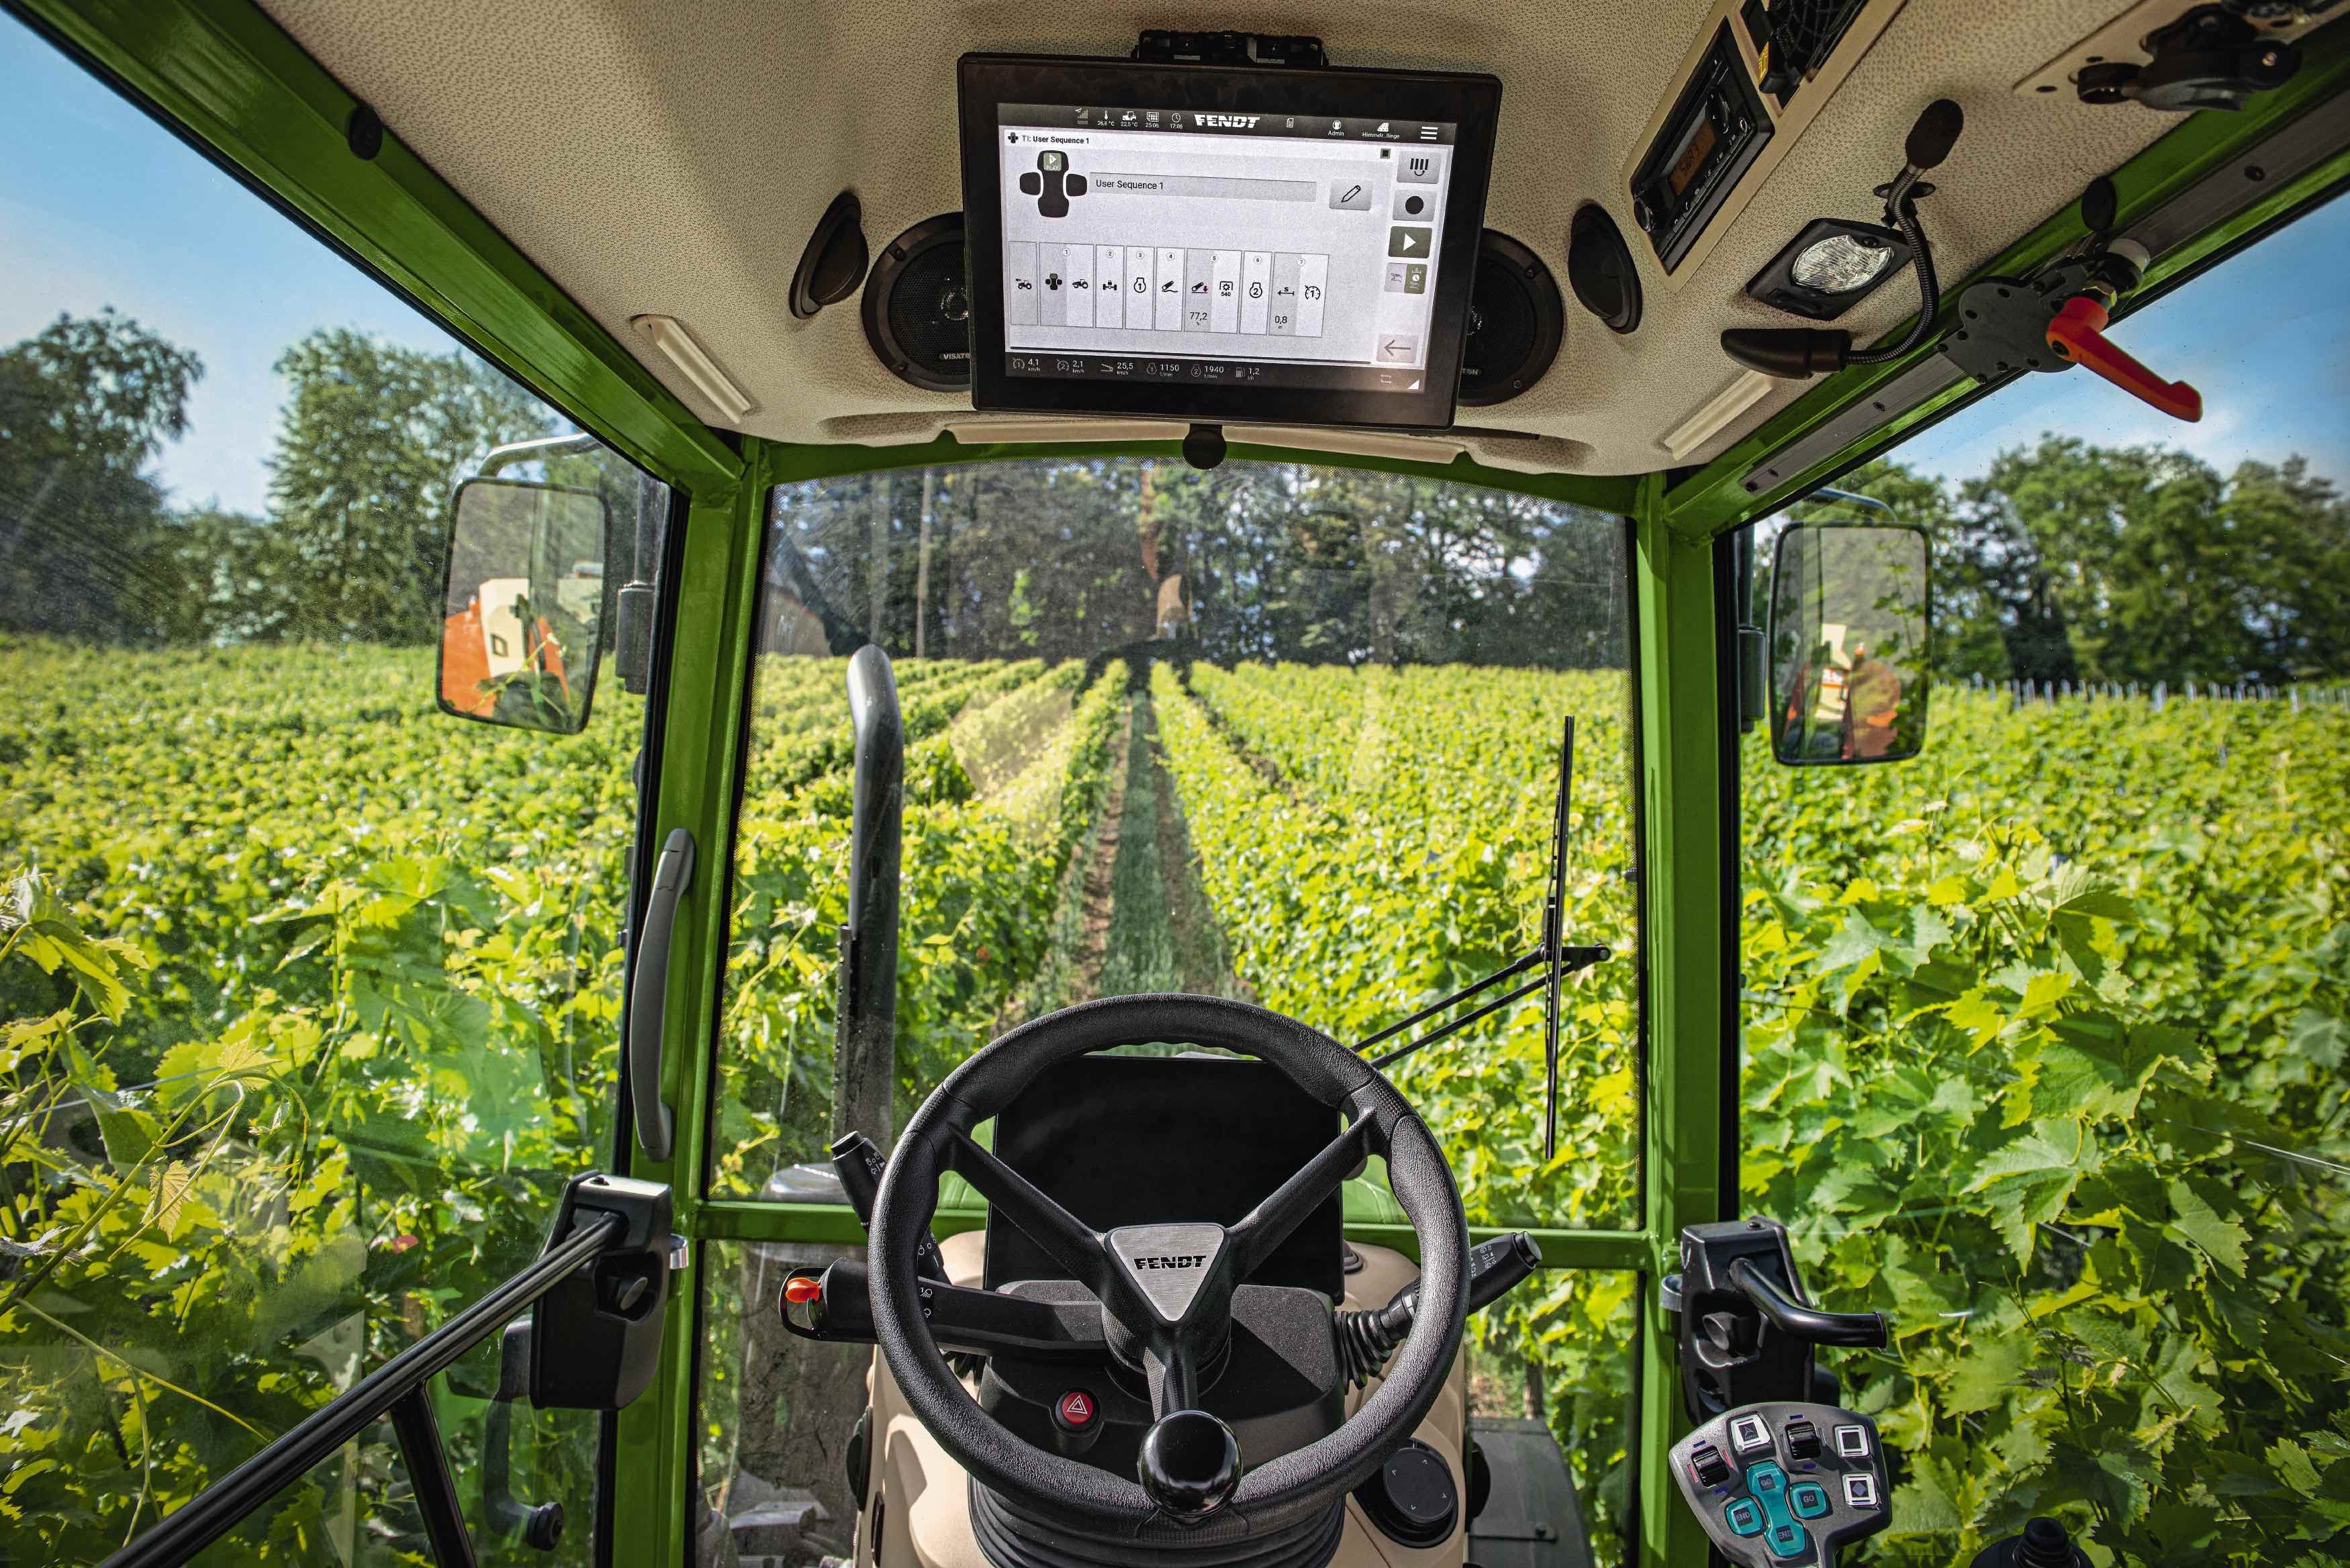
(1471, 102)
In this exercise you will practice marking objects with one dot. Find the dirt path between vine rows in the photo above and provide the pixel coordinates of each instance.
(1093, 929)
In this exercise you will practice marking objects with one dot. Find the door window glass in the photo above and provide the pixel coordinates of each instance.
(2045, 1030)
(308, 994)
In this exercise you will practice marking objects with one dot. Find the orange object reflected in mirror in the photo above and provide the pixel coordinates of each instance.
(522, 616)
(1849, 620)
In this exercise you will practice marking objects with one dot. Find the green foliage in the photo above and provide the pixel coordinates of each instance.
(1373, 839)
(981, 872)
(2044, 1043)
(307, 1012)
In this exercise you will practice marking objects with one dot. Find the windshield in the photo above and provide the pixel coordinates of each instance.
(1277, 733)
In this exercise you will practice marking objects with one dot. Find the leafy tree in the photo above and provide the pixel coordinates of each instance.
(1066, 559)
(86, 404)
(374, 439)
(2067, 561)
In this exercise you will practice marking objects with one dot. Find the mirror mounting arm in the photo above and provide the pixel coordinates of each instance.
(501, 457)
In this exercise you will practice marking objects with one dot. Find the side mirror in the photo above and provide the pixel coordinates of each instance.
(522, 610)
(1851, 609)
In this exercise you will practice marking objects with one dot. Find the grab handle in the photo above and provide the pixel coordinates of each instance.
(648, 995)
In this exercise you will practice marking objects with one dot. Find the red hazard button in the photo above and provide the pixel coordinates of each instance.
(1075, 1411)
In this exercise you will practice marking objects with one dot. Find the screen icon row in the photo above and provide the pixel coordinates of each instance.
(1165, 289)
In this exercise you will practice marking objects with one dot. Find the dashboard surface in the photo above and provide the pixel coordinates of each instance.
(1144, 1140)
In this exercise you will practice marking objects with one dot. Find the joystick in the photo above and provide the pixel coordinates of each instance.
(2044, 1543)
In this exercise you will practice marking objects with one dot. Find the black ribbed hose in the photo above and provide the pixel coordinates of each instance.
(1929, 290)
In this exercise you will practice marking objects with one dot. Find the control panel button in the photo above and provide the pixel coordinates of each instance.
(1785, 1538)
(1860, 1489)
(1803, 1438)
(1807, 1500)
(1851, 1442)
(1707, 1465)
(1749, 1435)
(1075, 1411)
(1743, 1518)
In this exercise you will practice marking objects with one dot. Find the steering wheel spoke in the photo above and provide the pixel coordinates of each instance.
(1264, 1228)
(1066, 1239)
(1172, 1370)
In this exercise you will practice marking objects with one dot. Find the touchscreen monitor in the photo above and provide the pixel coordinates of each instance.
(1216, 244)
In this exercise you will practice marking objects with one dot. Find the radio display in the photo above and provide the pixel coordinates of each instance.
(1268, 257)
(1702, 140)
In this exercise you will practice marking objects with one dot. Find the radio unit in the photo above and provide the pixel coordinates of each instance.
(1756, 76)
(1717, 129)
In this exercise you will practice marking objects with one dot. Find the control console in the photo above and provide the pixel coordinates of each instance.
(1784, 1485)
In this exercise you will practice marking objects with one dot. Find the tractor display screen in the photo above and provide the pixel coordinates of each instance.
(1216, 244)
(1147, 1140)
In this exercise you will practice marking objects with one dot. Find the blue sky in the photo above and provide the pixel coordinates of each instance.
(98, 206)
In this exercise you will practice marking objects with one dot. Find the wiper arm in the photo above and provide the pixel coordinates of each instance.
(1570, 959)
(1558, 961)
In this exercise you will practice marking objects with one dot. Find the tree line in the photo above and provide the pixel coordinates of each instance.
(1062, 558)
(372, 439)
(2063, 561)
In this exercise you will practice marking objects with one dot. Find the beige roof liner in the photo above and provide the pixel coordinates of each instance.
(664, 159)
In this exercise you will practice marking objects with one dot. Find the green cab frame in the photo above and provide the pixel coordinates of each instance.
(227, 80)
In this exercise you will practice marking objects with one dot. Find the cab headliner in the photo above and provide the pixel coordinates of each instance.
(655, 158)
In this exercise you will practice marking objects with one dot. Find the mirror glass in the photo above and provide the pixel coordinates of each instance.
(1850, 612)
(523, 621)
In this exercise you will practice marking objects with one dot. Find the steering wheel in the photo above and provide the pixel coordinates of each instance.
(1189, 1463)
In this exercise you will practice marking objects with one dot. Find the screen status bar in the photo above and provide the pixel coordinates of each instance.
(1315, 128)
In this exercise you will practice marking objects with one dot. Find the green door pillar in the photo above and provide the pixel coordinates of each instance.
(1687, 934)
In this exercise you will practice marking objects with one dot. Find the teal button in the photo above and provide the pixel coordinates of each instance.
(1780, 1532)
(1744, 1518)
(1809, 1500)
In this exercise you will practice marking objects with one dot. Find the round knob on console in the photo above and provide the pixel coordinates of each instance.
(1189, 1463)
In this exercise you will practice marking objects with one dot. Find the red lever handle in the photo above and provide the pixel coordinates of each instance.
(2079, 334)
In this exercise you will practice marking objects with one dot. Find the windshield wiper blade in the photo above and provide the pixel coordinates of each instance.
(1556, 958)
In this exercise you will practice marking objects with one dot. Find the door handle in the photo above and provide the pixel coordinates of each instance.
(648, 995)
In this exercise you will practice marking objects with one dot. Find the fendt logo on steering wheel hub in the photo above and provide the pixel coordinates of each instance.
(1168, 1263)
